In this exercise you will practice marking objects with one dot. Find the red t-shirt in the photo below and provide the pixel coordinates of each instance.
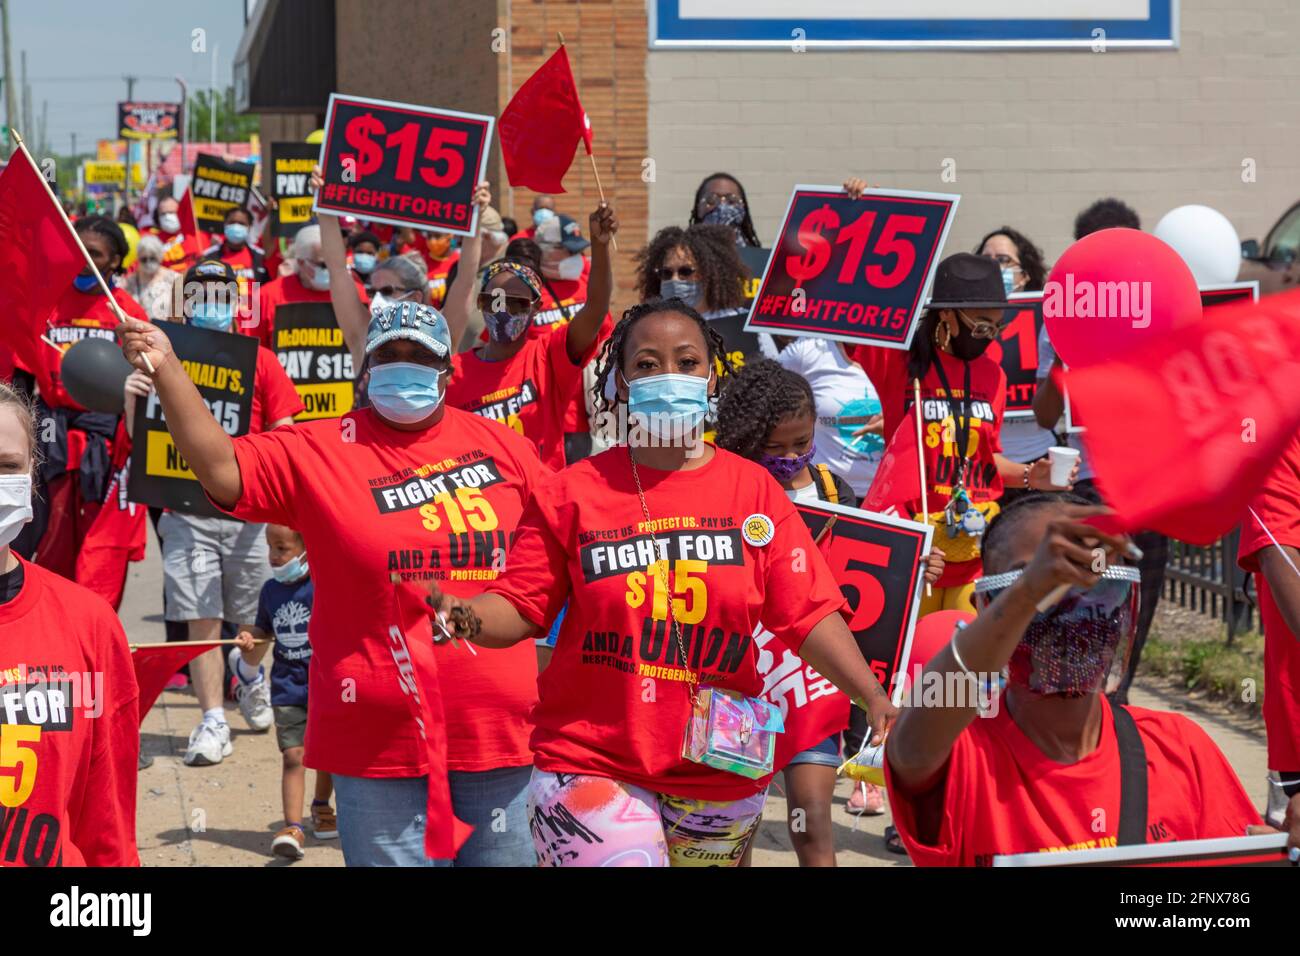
(279, 292)
(887, 369)
(180, 251)
(1277, 502)
(438, 270)
(242, 261)
(371, 501)
(1003, 795)
(274, 396)
(78, 315)
(69, 781)
(529, 392)
(583, 538)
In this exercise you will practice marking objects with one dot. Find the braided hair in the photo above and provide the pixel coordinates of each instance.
(611, 355)
(1009, 518)
(746, 226)
(103, 226)
(762, 395)
(719, 268)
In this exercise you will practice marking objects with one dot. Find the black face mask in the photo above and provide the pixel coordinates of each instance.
(966, 346)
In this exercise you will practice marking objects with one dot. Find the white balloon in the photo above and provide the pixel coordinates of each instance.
(1206, 240)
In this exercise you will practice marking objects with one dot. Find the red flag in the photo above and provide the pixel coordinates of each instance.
(156, 663)
(1182, 431)
(39, 258)
(898, 477)
(540, 127)
(189, 225)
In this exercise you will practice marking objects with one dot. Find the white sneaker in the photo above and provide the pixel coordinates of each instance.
(254, 696)
(209, 743)
(1275, 814)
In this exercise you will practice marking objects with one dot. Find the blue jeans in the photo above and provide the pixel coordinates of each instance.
(495, 803)
(381, 820)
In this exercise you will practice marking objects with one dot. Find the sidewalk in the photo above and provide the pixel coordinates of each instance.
(226, 815)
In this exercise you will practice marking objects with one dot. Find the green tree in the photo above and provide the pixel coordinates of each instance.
(232, 127)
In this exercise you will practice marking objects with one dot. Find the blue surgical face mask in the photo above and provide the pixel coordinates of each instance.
(364, 262)
(688, 290)
(320, 279)
(86, 283)
(1009, 280)
(542, 215)
(236, 233)
(670, 405)
(292, 570)
(404, 392)
(212, 315)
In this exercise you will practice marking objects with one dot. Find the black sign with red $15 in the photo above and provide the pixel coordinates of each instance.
(403, 165)
(857, 270)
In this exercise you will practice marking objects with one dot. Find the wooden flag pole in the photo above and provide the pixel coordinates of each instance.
(112, 302)
(920, 458)
(592, 156)
(222, 643)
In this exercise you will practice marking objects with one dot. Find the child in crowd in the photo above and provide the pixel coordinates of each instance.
(283, 612)
(768, 415)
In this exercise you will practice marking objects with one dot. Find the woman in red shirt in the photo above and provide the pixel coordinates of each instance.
(68, 723)
(78, 452)
(672, 554)
(963, 396)
(1047, 769)
(525, 383)
(389, 497)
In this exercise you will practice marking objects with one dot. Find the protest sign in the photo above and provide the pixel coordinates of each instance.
(858, 270)
(877, 560)
(222, 366)
(310, 347)
(1266, 850)
(107, 173)
(1016, 350)
(290, 175)
(218, 186)
(140, 121)
(403, 165)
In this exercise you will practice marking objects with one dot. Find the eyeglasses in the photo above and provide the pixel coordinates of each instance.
(681, 272)
(981, 328)
(1004, 260)
(514, 304)
(711, 200)
(148, 260)
(393, 291)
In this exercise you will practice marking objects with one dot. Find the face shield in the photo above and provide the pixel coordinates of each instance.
(1080, 645)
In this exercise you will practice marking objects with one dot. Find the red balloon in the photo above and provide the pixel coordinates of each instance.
(933, 632)
(1114, 290)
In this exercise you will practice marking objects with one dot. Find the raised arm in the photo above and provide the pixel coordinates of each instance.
(349, 311)
(459, 300)
(600, 285)
(923, 737)
(201, 441)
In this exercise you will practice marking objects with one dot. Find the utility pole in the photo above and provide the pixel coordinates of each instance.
(27, 97)
(11, 107)
(40, 130)
(212, 97)
(74, 144)
(130, 87)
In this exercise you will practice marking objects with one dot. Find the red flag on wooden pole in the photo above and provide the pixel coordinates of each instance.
(541, 125)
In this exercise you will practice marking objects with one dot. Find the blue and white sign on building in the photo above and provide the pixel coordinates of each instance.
(913, 24)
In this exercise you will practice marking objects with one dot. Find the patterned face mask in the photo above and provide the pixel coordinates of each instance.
(1080, 645)
(784, 469)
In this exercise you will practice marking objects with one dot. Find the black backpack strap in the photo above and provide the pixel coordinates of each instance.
(1132, 779)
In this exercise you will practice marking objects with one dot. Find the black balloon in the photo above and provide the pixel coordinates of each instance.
(94, 373)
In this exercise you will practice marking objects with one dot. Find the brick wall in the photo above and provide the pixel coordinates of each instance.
(1035, 136)
(606, 42)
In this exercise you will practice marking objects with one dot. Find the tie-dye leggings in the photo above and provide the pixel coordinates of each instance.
(595, 821)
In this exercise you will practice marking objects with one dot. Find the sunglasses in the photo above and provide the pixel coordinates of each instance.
(681, 272)
(393, 291)
(514, 304)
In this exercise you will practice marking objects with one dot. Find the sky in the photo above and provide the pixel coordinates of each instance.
(79, 51)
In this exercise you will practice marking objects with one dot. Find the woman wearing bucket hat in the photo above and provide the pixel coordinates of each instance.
(389, 498)
(962, 398)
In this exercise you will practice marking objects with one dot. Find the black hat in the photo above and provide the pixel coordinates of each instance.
(968, 281)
